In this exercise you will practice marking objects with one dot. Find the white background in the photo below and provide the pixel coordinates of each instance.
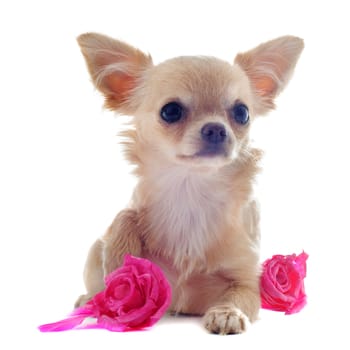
(63, 178)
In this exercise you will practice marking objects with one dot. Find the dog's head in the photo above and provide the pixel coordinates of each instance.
(190, 110)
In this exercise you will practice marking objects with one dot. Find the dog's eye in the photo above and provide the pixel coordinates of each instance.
(240, 113)
(172, 112)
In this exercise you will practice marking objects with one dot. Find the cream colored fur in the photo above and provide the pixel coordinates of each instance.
(195, 216)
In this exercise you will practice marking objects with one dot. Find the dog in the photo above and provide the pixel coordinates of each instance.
(192, 212)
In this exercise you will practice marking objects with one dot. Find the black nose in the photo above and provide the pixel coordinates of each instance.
(213, 133)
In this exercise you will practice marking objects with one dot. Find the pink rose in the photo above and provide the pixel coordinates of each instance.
(282, 283)
(136, 296)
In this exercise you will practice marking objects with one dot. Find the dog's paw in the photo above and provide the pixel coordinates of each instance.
(225, 320)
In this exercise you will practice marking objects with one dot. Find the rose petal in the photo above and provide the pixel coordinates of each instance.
(121, 271)
(63, 325)
(124, 291)
(136, 296)
(300, 262)
(138, 317)
(281, 283)
(270, 284)
(144, 283)
(164, 292)
(140, 265)
(110, 324)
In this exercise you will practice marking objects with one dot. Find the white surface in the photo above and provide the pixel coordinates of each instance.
(63, 178)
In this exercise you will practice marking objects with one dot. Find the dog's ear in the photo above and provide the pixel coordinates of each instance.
(115, 68)
(269, 68)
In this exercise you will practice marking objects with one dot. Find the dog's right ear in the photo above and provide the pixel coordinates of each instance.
(115, 68)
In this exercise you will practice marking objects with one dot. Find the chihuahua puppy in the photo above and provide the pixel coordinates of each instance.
(192, 211)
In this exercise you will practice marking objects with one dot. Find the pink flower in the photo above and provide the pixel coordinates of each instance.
(136, 296)
(282, 283)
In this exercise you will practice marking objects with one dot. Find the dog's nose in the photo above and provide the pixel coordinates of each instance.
(213, 133)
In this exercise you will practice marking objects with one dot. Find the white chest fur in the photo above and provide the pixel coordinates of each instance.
(186, 209)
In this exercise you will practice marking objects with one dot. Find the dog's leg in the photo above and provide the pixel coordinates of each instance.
(233, 313)
(108, 253)
(123, 237)
(93, 273)
(240, 304)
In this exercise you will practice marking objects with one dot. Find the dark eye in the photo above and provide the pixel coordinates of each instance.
(240, 113)
(172, 112)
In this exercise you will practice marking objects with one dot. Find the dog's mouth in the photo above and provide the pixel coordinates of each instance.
(209, 155)
(213, 150)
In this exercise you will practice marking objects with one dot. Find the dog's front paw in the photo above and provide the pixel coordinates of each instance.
(225, 320)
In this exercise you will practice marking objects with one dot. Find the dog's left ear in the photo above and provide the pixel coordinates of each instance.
(269, 68)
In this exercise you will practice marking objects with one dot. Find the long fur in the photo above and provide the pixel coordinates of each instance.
(194, 216)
